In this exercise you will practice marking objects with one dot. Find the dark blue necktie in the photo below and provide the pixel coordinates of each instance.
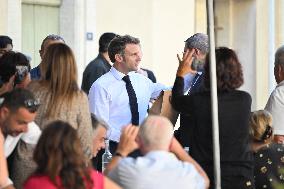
(132, 100)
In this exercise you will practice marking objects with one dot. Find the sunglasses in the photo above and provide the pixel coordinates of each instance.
(32, 105)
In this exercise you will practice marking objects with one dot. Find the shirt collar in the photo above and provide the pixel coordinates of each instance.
(159, 154)
(117, 74)
(280, 84)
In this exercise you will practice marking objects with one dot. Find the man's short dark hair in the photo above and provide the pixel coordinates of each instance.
(118, 44)
(279, 56)
(105, 40)
(52, 37)
(5, 40)
(8, 63)
(19, 98)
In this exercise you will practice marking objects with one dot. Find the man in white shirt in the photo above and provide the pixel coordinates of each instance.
(111, 100)
(17, 112)
(275, 104)
(164, 165)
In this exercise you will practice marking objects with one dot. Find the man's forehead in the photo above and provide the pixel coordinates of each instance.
(132, 47)
(24, 113)
(9, 47)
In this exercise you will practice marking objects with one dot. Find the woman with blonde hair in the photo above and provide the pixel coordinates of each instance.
(268, 156)
(61, 163)
(61, 99)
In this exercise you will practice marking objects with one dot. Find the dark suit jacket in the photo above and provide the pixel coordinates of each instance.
(234, 111)
(150, 74)
(95, 69)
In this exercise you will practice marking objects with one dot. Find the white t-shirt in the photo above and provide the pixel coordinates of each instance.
(275, 105)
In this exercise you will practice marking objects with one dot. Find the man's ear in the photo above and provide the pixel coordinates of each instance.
(118, 57)
(280, 69)
(4, 112)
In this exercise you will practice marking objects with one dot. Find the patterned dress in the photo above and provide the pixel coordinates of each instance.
(78, 115)
(269, 166)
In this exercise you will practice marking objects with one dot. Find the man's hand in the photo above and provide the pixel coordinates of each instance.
(126, 145)
(185, 64)
(127, 142)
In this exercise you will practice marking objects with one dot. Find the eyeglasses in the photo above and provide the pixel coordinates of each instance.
(32, 105)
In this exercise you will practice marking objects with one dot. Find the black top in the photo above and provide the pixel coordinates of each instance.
(269, 166)
(196, 86)
(95, 69)
(151, 75)
(233, 111)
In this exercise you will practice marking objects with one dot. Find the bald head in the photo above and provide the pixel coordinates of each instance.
(156, 133)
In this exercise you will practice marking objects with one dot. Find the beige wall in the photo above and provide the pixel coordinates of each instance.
(3, 16)
(10, 20)
(161, 25)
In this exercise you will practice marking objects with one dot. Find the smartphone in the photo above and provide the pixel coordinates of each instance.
(21, 73)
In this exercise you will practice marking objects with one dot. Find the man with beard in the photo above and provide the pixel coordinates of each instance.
(199, 43)
(17, 112)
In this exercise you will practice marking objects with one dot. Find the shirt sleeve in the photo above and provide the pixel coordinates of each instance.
(275, 106)
(99, 102)
(157, 88)
(32, 135)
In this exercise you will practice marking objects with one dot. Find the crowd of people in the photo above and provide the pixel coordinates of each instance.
(52, 132)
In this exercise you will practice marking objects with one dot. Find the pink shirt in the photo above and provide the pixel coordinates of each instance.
(43, 182)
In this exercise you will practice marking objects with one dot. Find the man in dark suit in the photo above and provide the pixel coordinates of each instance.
(100, 65)
(199, 43)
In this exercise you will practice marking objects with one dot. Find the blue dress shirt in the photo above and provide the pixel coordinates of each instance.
(35, 73)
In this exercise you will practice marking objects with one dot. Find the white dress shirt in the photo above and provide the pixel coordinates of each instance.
(275, 105)
(157, 169)
(29, 137)
(108, 99)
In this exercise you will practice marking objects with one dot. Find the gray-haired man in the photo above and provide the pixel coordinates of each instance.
(161, 155)
(198, 42)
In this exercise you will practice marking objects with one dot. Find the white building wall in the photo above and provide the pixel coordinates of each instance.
(10, 21)
(162, 26)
